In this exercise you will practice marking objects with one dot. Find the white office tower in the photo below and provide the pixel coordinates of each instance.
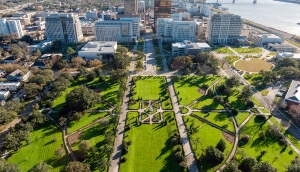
(141, 7)
(123, 30)
(179, 31)
(91, 14)
(223, 28)
(11, 27)
(64, 26)
(205, 10)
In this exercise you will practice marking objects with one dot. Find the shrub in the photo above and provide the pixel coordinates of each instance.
(213, 154)
(183, 164)
(178, 156)
(234, 112)
(124, 148)
(283, 141)
(273, 132)
(129, 142)
(261, 117)
(262, 135)
(244, 140)
(179, 148)
(123, 159)
(249, 104)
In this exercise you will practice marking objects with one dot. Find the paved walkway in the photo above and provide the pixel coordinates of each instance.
(117, 153)
(188, 152)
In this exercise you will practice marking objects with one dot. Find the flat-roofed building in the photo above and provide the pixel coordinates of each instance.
(101, 50)
(262, 39)
(4, 94)
(281, 47)
(288, 55)
(88, 28)
(189, 48)
(11, 86)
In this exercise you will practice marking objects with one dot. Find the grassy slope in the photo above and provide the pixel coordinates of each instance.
(276, 154)
(41, 148)
(188, 87)
(208, 136)
(221, 119)
(152, 148)
(85, 120)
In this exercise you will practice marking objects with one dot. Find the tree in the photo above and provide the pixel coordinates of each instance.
(139, 65)
(231, 167)
(295, 165)
(95, 63)
(70, 51)
(288, 62)
(232, 82)
(213, 154)
(61, 64)
(31, 89)
(102, 164)
(41, 167)
(247, 164)
(289, 72)
(122, 50)
(221, 145)
(60, 152)
(42, 77)
(246, 93)
(264, 166)
(78, 61)
(5, 167)
(268, 76)
(121, 61)
(37, 118)
(218, 99)
(56, 45)
(118, 75)
(76, 166)
(27, 38)
(81, 99)
(84, 147)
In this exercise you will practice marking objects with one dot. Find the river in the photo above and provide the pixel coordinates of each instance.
(276, 14)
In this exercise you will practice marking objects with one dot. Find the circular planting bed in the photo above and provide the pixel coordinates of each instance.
(253, 65)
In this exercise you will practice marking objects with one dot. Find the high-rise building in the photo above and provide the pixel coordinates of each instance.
(223, 28)
(64, 26)
(11, 27)
(130, 7)
(179, 31)
(162, 9)
(141, 7)
(123, 30)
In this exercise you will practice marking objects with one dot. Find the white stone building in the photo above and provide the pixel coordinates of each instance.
(11, 27)
(4, 95)
(261, 39)
(224, 28)
(11, 86)
(64, 26)
(175, 31)
(189, 48)
(101, 50)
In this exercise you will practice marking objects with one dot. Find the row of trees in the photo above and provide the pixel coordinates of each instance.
(249, 164)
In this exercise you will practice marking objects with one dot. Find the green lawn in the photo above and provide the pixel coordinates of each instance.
(235, 102)
(248, 50)
(188, 87)
(240, 118)
(60, 101)
(223, 50)
(276, 154)
(85, 120)
(207, 103)
(151, 88)
(207, 136)
(41, 148)
(231, 59)
(223, 119)
(255, 101)
(152, 148)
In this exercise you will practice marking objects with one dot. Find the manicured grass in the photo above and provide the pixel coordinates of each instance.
(231, 59)
(60, 102)
(272, 53)
(253, 65)
(85, 120)
(42, 147)
(222, 119)
(264, 110)
(277, 154)
(241, 117)
(255, 80)
(264, 92)
(248, 50)
(94, 134)
(255, 101)
(207, 103)
(152, 148)
(151, 88)
(188, 87)
(235, 101)
(184, 110)
(207, 136)
(223, 50)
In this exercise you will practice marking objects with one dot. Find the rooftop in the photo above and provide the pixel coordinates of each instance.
(9, 83)
(100, 46)
(179, 45)
(3, 91)
(293, 93)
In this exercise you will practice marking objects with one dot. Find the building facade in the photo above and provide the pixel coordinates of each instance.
(123, 30)
(63, 26)
(176, 31)
(11, 27)
(223, 28)
(91, 14)
(205, 10)
(101, 50)
(189, 48)
(11, 86)
(261, 39)
(130, 7)
(162, 9)
(141, 7)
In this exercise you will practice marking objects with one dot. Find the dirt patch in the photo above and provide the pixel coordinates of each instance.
(228, 137)
(201, 91)
(74, 137)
